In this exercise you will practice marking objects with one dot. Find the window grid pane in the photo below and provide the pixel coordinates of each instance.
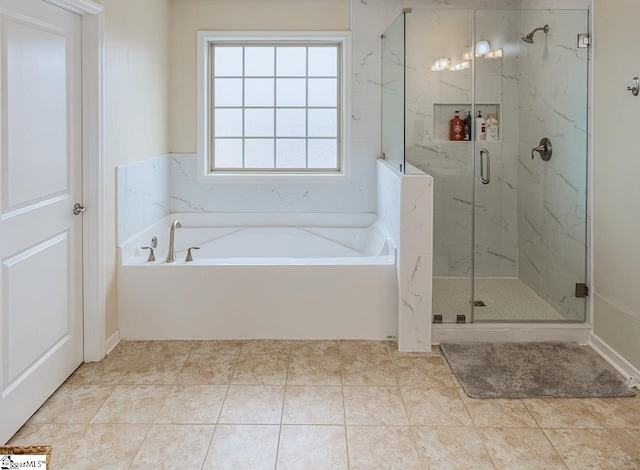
(290, 134)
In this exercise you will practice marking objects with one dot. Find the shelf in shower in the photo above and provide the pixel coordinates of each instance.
(444, 112)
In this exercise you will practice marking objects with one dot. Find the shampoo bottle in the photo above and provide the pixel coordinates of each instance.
(456, 128)
(492, 128)
(467, 126)
(481, 128)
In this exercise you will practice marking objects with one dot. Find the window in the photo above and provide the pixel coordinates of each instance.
(272, 105)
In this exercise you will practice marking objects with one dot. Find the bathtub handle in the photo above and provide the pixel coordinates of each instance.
(151, 257)
(189, 258)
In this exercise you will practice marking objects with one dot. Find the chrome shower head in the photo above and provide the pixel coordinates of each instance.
(529, 37)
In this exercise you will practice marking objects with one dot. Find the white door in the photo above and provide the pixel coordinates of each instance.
(40, 181)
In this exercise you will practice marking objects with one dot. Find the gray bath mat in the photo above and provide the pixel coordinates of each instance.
(532, 370)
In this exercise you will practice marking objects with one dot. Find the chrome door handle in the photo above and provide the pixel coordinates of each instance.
(78, 208)
(545, 149)
(484, 180)
(635, 87)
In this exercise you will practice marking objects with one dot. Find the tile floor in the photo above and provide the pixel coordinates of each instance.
(313, 405)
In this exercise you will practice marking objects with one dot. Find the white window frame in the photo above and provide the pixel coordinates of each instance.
(205, 39)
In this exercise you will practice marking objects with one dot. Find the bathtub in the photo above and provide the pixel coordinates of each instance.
(273, 276)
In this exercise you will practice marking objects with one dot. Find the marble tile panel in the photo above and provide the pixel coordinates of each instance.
(261, 369)
(192, 404)
(214, 347)
(72, 404)
(435, 407)
(315, 370)
(374, 406)
(243, 447)
(182, 446)
(252, 404)
(368, 370)
(312, 447)
(313, 404)
(451, 447)
(382, 447)
(201, 370)
(520, 448)
(590, 449)
(132, 404)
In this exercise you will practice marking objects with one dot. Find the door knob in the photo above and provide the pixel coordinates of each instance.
(545, 149)
(78, 208)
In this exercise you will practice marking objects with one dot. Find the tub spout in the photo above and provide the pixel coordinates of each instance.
(171, 256)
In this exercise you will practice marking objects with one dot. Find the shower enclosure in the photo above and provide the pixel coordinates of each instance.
(510, 208)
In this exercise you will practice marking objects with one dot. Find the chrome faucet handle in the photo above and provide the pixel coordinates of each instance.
(189, 258)
(154, 242)
(151, 257)
(545, 149)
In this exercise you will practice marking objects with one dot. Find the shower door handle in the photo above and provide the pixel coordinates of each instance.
(484, 180)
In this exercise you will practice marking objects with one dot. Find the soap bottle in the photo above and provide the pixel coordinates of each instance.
(467, 127)
(481, 127)
(456, 128)
(492, 128)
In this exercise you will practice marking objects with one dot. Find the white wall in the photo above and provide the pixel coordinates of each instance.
(616, 172)
(136, 105)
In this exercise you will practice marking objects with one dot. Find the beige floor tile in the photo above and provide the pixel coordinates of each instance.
(564, 412)
(629, 441)
(252, 404)
(174, 446)
(243, 447)
(381, 447)
(315, 370)
(132, 404)
(374, 406)
(313, 404)
(619, 413)
(95, 373)
(312, 447)
(590, 448)
(358, 347)
(261, 370)
(368, 370)
(72, 404)
(315, 348)
(435, 407)
(451, 448)
(153, 347)
(207, 370)
(524, 449)
(428, 371)
(266, 346)
(216, 347)
(149, 369)
(64, 440)
(498, 412)
(192, 404)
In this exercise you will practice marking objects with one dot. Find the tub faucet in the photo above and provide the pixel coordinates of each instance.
(171, 256)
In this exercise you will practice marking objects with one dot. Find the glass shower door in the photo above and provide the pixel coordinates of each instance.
(529, 227)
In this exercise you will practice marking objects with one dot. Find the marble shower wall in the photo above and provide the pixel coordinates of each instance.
(552, 195)
(432, 96)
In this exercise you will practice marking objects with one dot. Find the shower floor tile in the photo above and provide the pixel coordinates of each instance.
(418, 418)
(506, 299)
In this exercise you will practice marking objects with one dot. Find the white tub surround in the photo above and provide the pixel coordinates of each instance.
(275, 276)
(405, 205)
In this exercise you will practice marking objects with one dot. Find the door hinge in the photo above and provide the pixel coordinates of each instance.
(584, 40)
(582, 290)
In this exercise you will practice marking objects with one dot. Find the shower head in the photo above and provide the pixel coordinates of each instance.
(529, 37)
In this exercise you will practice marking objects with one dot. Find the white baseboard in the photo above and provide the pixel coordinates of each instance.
(616, 361)
(112, 342)
(511, 332)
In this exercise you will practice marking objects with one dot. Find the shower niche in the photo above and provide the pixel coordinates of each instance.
(509, 232)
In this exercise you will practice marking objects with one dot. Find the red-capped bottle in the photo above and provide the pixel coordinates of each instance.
(456, 128)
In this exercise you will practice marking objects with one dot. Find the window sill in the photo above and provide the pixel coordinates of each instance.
(273, 178)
